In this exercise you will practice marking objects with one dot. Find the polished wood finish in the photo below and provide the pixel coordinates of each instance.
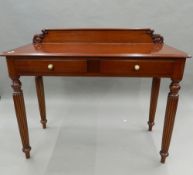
(153, 101)
(147, 67)
(41, 100)
(85, 67)
(60, 67)
(92, 43)
(97, 52)
(21, 115)
(96, 35)
(171, 108)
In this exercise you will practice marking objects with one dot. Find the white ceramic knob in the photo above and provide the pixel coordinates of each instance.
(137, 67)
(50, 66)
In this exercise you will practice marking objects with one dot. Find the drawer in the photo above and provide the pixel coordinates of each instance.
(50, 67)
(137, 67)
(97, 67)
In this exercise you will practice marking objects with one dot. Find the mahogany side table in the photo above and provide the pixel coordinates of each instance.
(97, 52)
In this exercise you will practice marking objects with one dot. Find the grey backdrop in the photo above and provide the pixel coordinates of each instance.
(21, 19)
(104, 117)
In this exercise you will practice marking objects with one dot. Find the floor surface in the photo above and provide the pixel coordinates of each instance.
(96, 129)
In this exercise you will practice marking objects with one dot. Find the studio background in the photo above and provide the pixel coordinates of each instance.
(96, 100)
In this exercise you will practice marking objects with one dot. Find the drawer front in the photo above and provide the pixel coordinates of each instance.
(137, 67)
(141, 68)
(50, 67)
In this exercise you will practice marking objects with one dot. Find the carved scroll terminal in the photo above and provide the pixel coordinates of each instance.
(39, 37)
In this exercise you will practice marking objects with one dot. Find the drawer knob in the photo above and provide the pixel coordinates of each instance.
(137, 67)
(50, 66)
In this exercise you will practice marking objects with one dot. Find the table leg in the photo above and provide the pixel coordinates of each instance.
(153, 101)
(21, 115)
(171, 108)
(41, 99)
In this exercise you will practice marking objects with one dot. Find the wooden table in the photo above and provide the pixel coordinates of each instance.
(97, 53)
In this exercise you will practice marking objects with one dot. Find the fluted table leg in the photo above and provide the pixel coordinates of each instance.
(153, 101)
(21, 115)
(41, 99)
(171, 108)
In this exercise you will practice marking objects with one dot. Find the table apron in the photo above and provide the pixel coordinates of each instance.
(95, 67)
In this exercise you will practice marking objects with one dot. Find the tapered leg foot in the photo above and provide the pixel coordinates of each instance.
(41, 100)
(43, 122)
(27, 152)
(150, 124)
(21, 115)
(163, 156)
(153, 101)
(170, 114)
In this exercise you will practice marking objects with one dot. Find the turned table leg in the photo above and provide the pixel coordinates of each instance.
(21, 115)
(153, 101)
(41, 99)
(171, 108)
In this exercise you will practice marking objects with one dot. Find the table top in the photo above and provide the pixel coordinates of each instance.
(97, 50)
(97, 43)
